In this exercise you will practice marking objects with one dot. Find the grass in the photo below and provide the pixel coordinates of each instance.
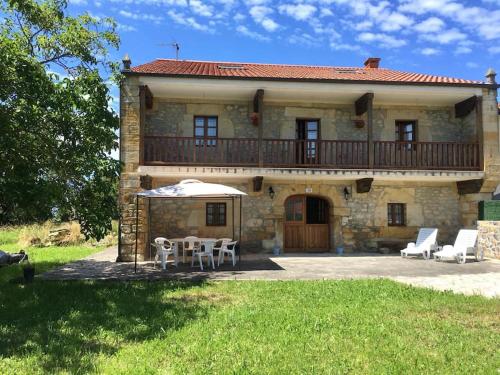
(295, 327)
(253, 327)
(44, 258)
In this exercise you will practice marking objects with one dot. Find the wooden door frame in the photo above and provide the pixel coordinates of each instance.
(318, 140)
(304, 218)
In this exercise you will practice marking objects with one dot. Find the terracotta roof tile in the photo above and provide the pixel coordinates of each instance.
(291, 72)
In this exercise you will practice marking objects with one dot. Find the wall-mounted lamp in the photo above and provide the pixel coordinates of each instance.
(347, 193)
(271, 192)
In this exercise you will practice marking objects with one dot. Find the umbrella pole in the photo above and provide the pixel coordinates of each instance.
(232, 207)
(149, 227)
(136, 229)
(239, 237)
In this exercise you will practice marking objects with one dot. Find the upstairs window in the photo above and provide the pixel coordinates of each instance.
(216, 214)
(406, 130)
(396, 214)
(205, 130)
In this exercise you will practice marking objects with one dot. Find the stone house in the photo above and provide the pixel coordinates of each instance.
(329, 156)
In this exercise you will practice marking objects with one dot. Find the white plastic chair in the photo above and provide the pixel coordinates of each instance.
(227, 248)
(206, 250)
(426, 241)
(218, 244)
(190, 243)
(464, 243)
(164, 248)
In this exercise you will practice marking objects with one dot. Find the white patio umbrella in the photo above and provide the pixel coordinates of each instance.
(193, 189)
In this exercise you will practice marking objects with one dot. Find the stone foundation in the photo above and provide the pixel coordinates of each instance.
(489, 238)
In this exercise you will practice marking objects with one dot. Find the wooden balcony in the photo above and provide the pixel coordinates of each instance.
(321, 154)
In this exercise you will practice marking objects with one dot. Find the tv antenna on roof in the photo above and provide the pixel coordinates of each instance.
(175, 45)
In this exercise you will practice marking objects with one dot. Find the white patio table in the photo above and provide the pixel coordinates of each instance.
(203, 241)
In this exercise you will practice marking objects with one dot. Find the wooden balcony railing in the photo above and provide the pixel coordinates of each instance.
(426, 155)
(328, 154)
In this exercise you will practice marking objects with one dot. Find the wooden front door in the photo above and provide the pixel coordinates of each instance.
(306, 224)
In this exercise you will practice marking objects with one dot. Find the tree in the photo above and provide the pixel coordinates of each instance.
(56, 130)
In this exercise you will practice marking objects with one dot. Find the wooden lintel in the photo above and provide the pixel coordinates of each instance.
(361, 105)
(465, 107)
(146, 182)
(259, 94)
(257, 183)
(364, 185)
(149, 97)
(469, 186)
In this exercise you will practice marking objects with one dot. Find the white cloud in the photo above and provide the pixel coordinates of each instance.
(430, 25)
(78, 2)
(394, 21)
(429, 51)
(200, 8)
(304, 40)
(344, 46)
(363, 25)
(462, 50)
(182, 19)
(325, 12)
(445, 37)
(300, 12)
(494, 50)
(478, 20)
(269, 24)
(125, 28)
(471, 64)
(252, 34)
(239, 17)
(383, 40)
(140, 16)
(260, 12)
(260, 15)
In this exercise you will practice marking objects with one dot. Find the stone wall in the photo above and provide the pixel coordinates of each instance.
(488, 239)
(175, 118)
(357, 223)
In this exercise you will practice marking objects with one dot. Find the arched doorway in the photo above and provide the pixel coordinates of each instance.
(307, 224)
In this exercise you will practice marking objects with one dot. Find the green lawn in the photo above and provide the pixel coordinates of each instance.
(43, 258)
(294, 327)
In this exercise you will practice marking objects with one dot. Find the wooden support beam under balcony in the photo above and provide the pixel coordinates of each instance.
(465, 107)
(364, 185)
(258, 107)
(361, 105)
(469, 186)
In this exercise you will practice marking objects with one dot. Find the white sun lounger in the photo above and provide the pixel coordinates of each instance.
(464, 244)
(426, 241)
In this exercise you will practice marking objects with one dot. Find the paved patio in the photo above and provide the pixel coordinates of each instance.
(470, 278)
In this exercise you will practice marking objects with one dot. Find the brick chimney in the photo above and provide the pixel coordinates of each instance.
(372, 63)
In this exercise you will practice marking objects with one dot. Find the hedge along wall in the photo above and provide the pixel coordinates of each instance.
(489, 238)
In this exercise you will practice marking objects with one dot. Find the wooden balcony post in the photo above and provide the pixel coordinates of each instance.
(142, 121)
(369, 123)
(258, 103)
(362, 105)
(479, 130)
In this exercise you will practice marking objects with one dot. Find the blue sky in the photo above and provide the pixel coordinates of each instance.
(444, 37)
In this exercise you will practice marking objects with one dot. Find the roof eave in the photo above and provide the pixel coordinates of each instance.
(318, 80)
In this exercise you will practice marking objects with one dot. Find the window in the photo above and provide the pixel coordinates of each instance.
(205, 130)
(406, 131)
(216, 214)
(396, 214)
(308, 131)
